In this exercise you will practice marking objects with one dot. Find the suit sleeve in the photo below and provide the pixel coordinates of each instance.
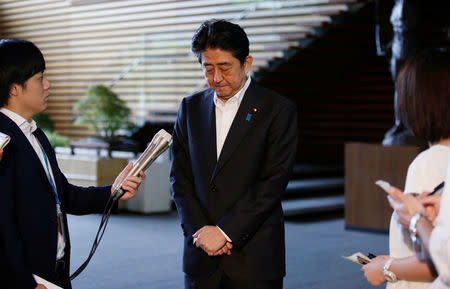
(244, 219)
(82, 201)
(19, 273)
(79, 200)
(182, 180)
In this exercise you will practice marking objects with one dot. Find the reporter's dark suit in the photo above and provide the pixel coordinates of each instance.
(241, 192)
(28, 227)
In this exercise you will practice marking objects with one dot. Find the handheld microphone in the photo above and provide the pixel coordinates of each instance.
(159, 144)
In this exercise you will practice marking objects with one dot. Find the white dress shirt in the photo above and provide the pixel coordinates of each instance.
(440, 239)
(28, 127)
(225, 113)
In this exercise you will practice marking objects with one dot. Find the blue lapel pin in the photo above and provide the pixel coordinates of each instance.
(249, 115)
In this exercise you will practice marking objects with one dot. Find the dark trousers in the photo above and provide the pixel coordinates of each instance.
(62, 274)
(219, 280)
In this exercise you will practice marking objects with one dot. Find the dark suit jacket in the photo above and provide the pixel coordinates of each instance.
(28, 225)
(241, 191)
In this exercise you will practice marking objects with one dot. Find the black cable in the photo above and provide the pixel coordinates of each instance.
(160, 142)
(101, 230)
(98, 237)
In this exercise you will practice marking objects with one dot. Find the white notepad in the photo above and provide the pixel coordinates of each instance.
(4, 140)
(44, 282)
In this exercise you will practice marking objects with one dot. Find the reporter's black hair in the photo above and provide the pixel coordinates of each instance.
(19, 60)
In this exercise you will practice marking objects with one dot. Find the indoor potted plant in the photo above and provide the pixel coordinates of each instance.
(47, 125)
(104, 111)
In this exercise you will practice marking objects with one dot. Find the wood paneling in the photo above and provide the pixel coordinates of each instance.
(366, 205)
(92, 42)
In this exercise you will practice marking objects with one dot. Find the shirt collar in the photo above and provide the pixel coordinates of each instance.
(238, 96)
(27, 126)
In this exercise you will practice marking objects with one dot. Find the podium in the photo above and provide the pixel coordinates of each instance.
(366, 205)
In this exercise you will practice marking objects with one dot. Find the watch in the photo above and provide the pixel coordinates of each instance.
(416, 243)
(389, 275)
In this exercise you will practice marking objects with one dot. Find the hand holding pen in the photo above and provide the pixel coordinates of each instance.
(407, 205)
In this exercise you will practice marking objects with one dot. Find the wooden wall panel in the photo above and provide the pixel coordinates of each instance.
(92, 42)
(366, 205)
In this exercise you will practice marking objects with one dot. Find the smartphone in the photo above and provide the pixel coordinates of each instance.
(384, 185)
(364, 260)
(4, 140)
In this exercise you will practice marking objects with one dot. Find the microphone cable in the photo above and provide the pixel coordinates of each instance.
(98, 237)
(160, 142)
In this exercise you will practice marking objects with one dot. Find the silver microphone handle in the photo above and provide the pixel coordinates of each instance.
(142, 165)
(159, 144)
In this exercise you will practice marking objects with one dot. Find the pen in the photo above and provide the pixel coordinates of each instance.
(438, 189)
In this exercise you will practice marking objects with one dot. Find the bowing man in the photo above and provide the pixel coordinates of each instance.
(234, 147)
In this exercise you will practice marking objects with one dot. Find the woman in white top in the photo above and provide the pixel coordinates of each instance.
(440, 240)
(424, 104)
(435, 241)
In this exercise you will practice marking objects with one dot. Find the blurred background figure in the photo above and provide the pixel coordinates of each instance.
(405, 27)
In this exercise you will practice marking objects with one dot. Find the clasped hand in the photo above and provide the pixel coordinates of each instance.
(212, 241)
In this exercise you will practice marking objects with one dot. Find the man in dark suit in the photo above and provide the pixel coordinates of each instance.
(233, 150)
(35, 195)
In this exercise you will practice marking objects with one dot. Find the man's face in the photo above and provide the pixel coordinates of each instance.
(34, 95)
(224, 72)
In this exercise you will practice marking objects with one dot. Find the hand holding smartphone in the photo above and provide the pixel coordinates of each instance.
(406, 205)
(392, 191)
(387, 188)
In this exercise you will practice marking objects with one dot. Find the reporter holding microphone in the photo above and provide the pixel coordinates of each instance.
(35, 195)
